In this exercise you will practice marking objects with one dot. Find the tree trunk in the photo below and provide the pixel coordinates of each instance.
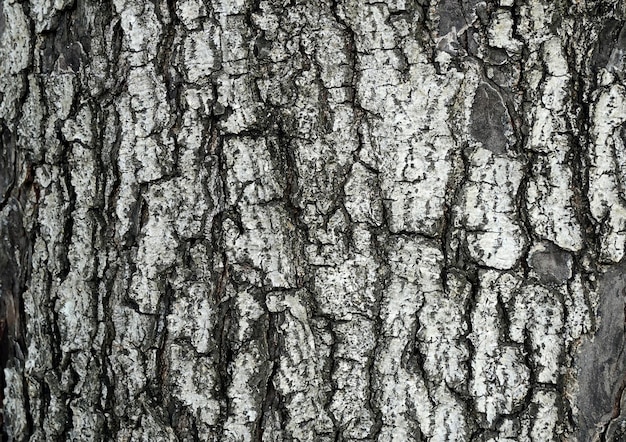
(332, 220)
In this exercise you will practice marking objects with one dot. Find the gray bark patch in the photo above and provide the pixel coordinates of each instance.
(61, 48)
(7, 159)
(455, 15)
(602, 361)
(490, 119)
(2, 20)
(71, 57)
(605, 43)
(451, 16)
(552, 264)
(617, 62)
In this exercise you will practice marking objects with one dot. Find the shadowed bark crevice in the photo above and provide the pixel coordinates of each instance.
(312, 221)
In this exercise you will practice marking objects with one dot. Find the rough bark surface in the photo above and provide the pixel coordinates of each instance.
(329, 220)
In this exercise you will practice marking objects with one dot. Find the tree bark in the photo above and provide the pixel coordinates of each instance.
(330, 220)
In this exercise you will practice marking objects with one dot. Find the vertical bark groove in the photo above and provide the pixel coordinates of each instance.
(312, 221)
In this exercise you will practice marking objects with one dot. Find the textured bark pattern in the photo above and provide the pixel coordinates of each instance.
(243, 220)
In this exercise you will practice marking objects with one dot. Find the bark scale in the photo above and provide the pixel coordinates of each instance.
(313, 221)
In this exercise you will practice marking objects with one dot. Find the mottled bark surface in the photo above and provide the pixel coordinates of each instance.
(243, 220)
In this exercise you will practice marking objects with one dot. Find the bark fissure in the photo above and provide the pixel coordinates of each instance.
(312, 221)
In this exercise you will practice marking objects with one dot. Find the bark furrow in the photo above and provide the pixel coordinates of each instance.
(330, 220)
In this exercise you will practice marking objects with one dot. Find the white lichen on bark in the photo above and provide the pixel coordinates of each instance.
(312, 221)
